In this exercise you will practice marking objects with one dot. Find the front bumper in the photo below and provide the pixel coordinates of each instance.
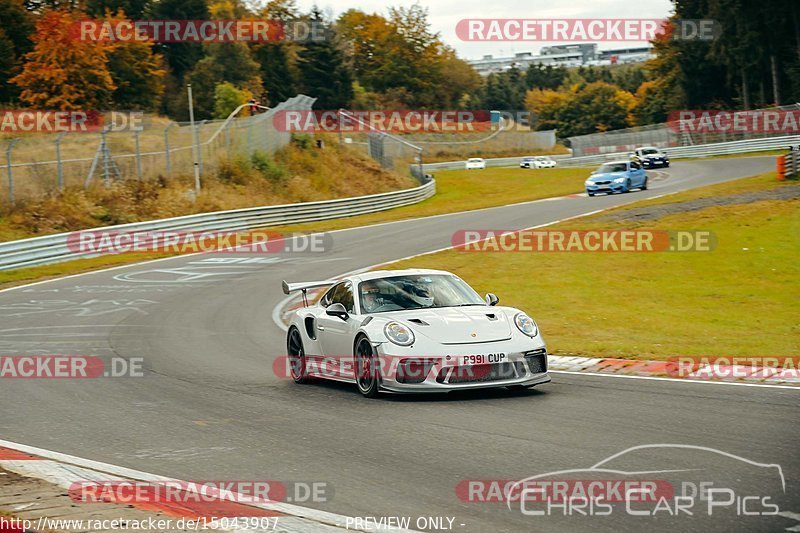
(649, 163)
(606, 187)
(522, 365)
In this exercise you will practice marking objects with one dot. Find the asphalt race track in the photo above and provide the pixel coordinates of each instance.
(211, 407)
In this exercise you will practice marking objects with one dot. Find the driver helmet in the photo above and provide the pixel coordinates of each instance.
(421, 294)
(369, 296)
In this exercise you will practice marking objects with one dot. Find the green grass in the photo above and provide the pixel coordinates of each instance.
(463, 190)
(740, 299)
(457, 190)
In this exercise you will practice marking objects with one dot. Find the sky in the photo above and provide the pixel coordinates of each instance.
(444, 14)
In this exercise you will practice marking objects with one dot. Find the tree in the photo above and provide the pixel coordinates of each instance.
(227, 98)
(225, 62)
(181, 57)
(137, 74)
(14, 43)
(62, 72)
(277, 74)
(324, 73)
(136, 71)
(135, 9)
(540, 76)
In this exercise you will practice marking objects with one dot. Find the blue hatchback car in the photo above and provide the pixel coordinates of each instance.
(616, 177)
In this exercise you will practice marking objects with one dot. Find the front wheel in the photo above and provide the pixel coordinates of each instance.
(644, 184)
(627, 186)
(367, 372)
(297, 356)
(590, 193)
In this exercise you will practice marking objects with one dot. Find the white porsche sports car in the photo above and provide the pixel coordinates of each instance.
(406, 331)
(475, 163)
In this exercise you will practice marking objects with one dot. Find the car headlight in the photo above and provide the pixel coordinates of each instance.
(526, 325)
(619, 180)
(588, 182)
(399, 334)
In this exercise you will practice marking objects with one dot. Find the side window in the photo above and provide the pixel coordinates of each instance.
(635, 165)
(343, 294)
(328, 298)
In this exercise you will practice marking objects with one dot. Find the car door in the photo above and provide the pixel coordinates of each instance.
(337, 335)
(637, 174)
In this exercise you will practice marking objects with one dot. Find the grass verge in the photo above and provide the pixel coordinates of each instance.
(740, 299)
(457, 190)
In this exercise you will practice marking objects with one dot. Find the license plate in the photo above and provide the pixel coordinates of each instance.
(483, 359)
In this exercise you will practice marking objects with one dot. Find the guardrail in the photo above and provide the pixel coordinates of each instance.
(677, 152)
(494, 162)
(53, 248)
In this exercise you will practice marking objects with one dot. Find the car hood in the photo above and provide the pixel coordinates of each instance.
(606, 176)
(457, 325)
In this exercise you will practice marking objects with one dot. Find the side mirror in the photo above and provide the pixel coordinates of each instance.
(337, 310)
(492, 299)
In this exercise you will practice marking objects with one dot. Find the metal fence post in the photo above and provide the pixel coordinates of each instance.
(166, 148)
(138, 156)
(103, 154)
(200, 145)
(59, 165)
(10, 146)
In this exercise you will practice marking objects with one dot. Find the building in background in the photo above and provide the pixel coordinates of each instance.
(566, 55)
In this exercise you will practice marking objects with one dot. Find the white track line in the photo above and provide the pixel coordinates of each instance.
(673, 380)
(60, 474)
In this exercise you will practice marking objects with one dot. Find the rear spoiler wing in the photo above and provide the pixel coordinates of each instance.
(293, 287)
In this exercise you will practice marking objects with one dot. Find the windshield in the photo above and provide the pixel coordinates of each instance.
(648, 151)
(475, 160)
(415, 292)
(613, 167)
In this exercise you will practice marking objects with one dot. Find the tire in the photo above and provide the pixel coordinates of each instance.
(366, 368)
(627, 186)
(666, 165)
(590, 193)
(644, 184)
(297, 356)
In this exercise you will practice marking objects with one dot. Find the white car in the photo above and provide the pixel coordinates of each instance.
(408, 331)
(537, 162)
(475, 163)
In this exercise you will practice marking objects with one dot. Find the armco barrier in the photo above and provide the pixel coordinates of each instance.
(53, 248)
(677, 152)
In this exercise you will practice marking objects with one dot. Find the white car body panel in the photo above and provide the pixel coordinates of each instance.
(443, 336)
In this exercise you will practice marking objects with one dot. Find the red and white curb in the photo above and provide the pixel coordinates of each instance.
(706, 373)
(65, 471)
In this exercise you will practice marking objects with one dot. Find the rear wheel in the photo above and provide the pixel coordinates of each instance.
(297, 356)
(367, 371)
